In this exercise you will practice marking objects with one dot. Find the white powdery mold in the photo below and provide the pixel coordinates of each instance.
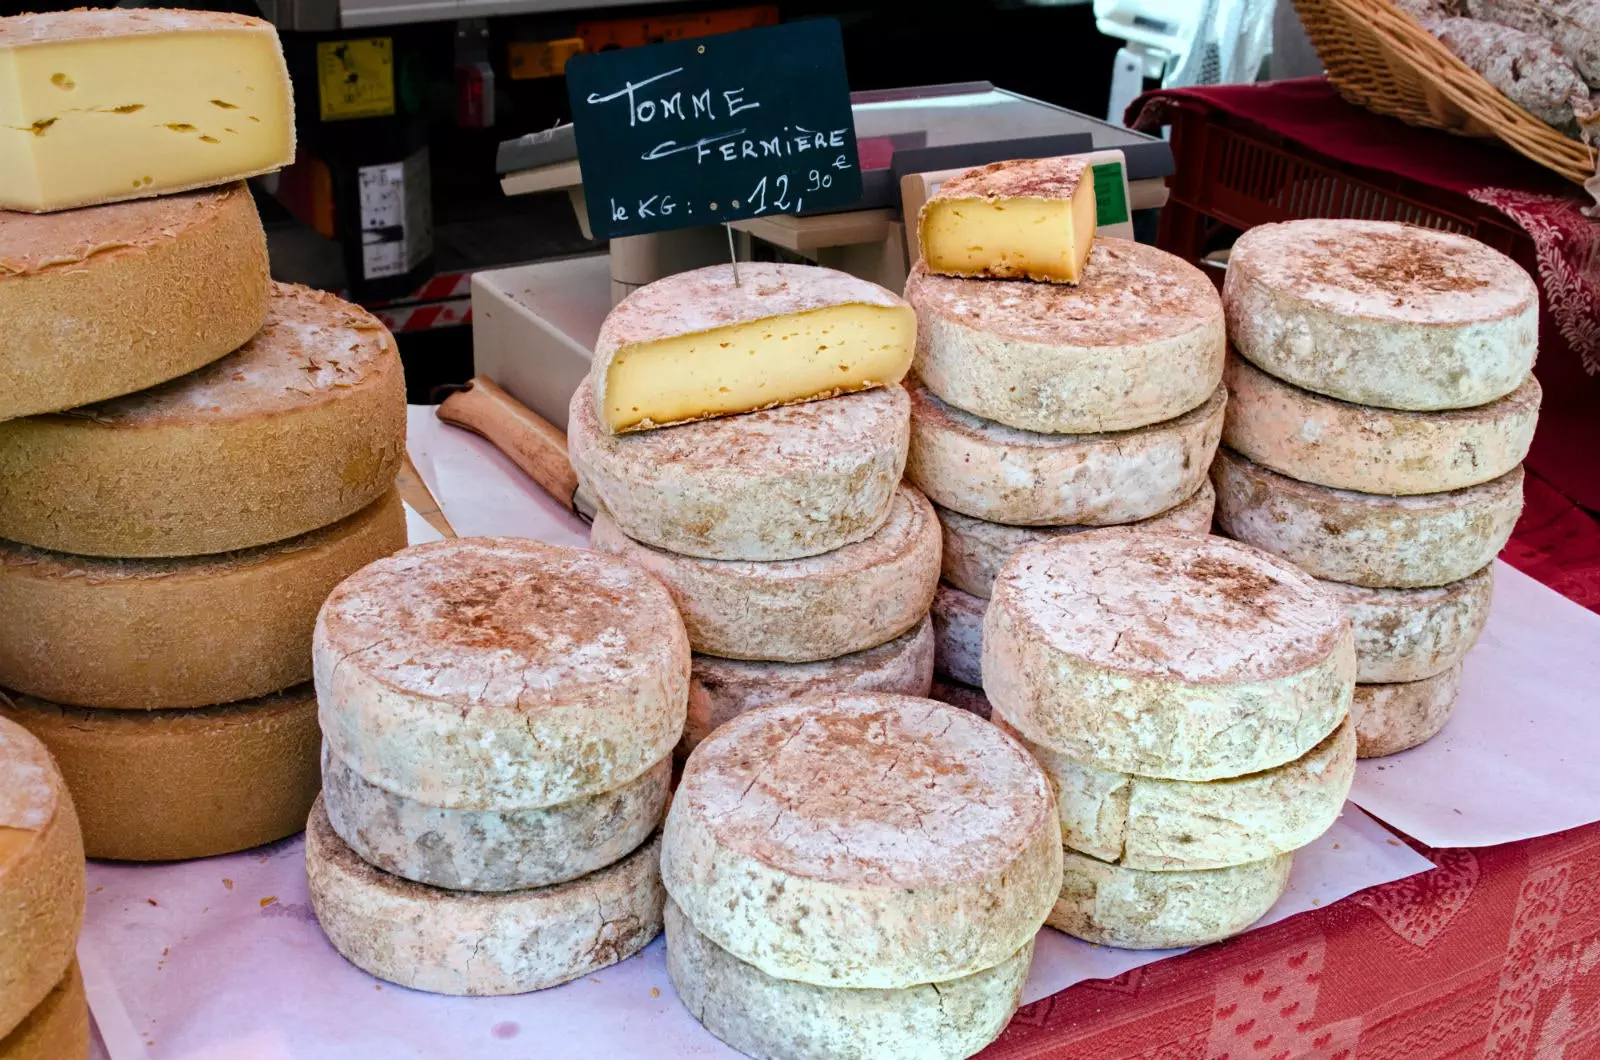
(958, 635)
(1394, 718)
(1411, 634)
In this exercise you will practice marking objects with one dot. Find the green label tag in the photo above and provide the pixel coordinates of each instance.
(1111, 205)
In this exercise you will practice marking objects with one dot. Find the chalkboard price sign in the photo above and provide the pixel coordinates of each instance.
(713, 129)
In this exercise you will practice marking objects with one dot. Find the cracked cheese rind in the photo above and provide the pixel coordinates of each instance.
(169, 785)
(1334, 443)
(784, 483)
(41, 875)
(722, 689)
(697, 344)
(863, 841)
(151, 634)
(1003, 475)
(1131, 909)
(104, 105)
(1166, 655)
(776, 1019)
(1168, 825)
(802, 610)
(303, 426)
(479, 945)
(1029, 218)
(1365, 539)
(1139, 341)
(491, 850)
(1397, 717)
(57, 1028)
(499, 673)
(958, 635)
(99, 303)
(1383, 314)
(975, 550)
(1410, 634)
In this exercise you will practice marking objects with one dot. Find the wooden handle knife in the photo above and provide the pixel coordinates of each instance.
(531, 442)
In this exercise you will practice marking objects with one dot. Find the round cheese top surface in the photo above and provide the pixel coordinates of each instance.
(29, 790)
(869, 790)
(1384, 271)
(1131, 293)
(76, 24)
(1203, 610)
(499, 622)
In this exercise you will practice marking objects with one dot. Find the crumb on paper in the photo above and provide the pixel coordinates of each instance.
(152, 901)
(1316, 901)
(97, 890)
(592, 979)
(655, 991)
(1393, 842)
(1336, 846)
(227, 884)
(269, 900)
(165, 950)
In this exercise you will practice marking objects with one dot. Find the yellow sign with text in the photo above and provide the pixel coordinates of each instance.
(355, 78)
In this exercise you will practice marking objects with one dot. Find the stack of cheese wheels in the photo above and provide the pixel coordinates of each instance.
(43, 1013)
(1380, 404)
(857, 877)
(1190, 696)
(498, 720)
(1066, 399)
(769, 503)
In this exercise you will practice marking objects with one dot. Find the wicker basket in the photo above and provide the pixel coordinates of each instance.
(1378, 57)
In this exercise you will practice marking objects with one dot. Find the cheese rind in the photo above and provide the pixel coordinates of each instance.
(698, 344)
(99, 303)
(500, 673)
(480, 945)
(1139, 341)
(169, 785)
(918, 843)
(57, 1028)
(1334, 443)
(1136, 910)
(1166, 655)
(785, 483)
(303, 426)
(1397, 717)
(776, 1019)
(803, 610)
(1383, 314)
(722, 689)
(1411, 634)
(1031, 218)
(975, 550)
(190, 632)
(41, 874)
(1414, 542)
(1004, 475)
(958, 635)
(105, 105)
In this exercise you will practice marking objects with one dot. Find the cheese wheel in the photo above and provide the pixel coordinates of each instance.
(499, 673)
(1139, 341)
(1166, 655)
(968, 699)
(145, 634)
(776, 1019)
(800, 610)
(789, 482)
(1334, 443)
(863, 841)
(1382, 314)
(1397, 717)
(169, 785)
(958, 635)
(101, 302)
(1132, 909)
(57, 1029)
(477, 945)
(1166, 825)
(1004, 475)
(975, 549)
(41, 874)
(491, 850)
(1365, 539)
(301, 427)
(1410, 634)
(722, 689)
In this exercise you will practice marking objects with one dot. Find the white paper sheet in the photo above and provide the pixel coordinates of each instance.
(418, 530)
(1519, 757)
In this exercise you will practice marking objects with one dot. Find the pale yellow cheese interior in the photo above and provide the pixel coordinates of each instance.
(778, 360)
(1011, 237)
(107, 118)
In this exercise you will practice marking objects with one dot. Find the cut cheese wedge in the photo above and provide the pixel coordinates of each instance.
(57, 1028)
(699, 344)
(103, 105)
(958, 635)
(1394, 718)
(1411, 634)
(1030, 218)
